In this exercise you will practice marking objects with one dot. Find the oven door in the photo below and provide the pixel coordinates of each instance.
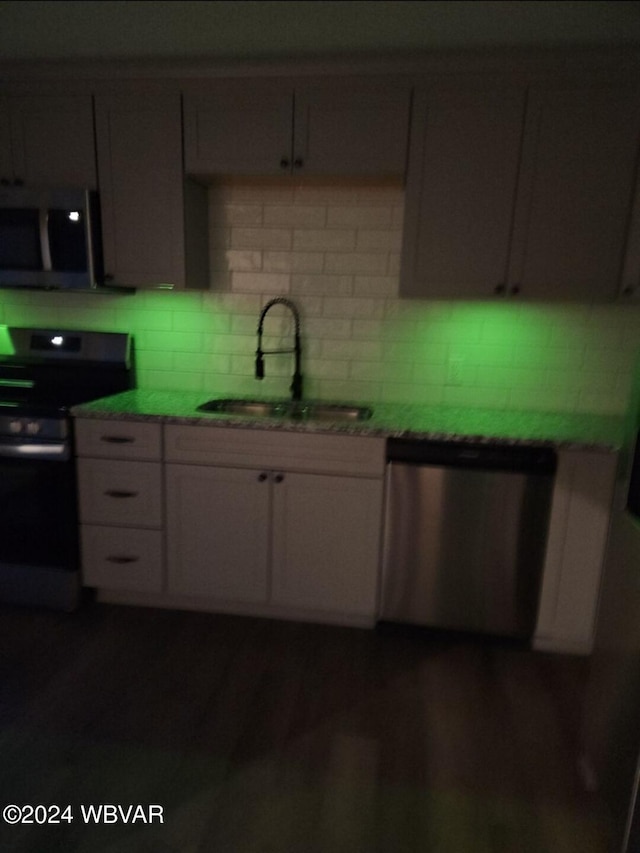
(39, 561)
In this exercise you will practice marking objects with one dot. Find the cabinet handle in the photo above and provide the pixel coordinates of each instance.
(121, 561)
(116, 493)
(499, 288)
(284, 163)
(628, 291)
(108, 277)
(117, 439)
(262, 477)
(298, 163)
(515, 290)
(278, 478)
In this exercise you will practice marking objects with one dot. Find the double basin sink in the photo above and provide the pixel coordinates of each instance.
(293, 409)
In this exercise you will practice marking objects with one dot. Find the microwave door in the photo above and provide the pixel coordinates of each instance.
(45, 248)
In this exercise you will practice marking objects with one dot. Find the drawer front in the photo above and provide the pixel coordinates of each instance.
(122, 558)
(120, 493)
(291, 451)
(118, 439)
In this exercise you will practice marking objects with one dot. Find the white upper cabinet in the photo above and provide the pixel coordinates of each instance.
(144, 201)
(48, 141)
(336, 127)
(528, 203)
(462, 177)
(574, 200)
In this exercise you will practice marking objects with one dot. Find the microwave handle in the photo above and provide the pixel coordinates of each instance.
(45, 247)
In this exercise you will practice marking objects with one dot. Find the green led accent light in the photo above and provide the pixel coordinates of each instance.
(17, 383)
(6, 344)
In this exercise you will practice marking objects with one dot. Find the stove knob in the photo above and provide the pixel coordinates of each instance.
(15, 427)
(33, 427)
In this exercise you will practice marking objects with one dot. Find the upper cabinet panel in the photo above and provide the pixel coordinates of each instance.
(238, 127)
(6, 158)
(531, 204)
(48, 141)
(351, 128)
(142, 192)
(274, 127)
(461, 182)
(575, 194)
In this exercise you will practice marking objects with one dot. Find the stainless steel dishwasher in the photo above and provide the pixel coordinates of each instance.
(465, 535)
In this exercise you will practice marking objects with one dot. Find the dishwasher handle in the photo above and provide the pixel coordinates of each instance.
(460, 454)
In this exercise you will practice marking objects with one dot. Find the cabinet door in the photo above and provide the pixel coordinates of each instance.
(217, 532)
(52, 141)
(580, 513)
(461, 182)
(326, 543)
(351, 128)
(575, 193)
(141, 189)
(6, 158)
(238, 127)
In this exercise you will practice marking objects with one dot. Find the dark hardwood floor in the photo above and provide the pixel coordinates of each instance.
(256, 735)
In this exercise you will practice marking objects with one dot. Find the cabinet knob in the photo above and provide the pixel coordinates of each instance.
(627, 291)
(298, 163)
(278, 478)
(499, 289)
(108, 277)
(262, 477)
(515, 290)
(284, 163)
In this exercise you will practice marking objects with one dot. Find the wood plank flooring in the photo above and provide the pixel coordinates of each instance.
(259, 736)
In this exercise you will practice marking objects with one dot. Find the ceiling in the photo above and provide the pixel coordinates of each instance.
(139, 29)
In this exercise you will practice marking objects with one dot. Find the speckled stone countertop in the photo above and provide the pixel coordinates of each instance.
(554, 429)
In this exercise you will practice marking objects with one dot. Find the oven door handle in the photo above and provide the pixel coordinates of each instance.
(36, 451)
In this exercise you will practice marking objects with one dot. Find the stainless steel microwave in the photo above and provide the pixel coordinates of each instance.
(50, 238)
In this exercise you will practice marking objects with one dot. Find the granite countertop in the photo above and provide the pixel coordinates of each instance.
(553, 429)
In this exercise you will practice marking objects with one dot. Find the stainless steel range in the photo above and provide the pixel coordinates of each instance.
(43, 372)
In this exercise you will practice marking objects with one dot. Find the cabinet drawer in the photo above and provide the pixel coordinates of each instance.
(120, 493)
(118, 439)
(291, 451)
(122, 558)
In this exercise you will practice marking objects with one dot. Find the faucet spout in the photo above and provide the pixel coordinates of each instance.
(296, 382)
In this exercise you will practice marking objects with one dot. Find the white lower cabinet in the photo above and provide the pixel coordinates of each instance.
(217, 533)
(578, 532)
(301, 543)
(121, 505)
(326, 538)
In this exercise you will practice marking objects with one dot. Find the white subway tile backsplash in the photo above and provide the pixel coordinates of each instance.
(335, 250)
(298, 262)
(259, 282)
(322, 285)
(360, 217)
(324, 240)
(375, 286)
(356, 263)
(294, 216)
(378, 241)
(261, 238)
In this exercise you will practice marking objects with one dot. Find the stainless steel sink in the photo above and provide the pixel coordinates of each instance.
(311, 410)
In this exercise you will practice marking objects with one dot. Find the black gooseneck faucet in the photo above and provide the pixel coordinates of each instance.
(296, 383)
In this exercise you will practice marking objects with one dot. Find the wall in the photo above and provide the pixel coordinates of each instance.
(65, 29)
(335, 252)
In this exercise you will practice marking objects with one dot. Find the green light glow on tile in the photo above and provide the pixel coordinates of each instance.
(6, 344)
